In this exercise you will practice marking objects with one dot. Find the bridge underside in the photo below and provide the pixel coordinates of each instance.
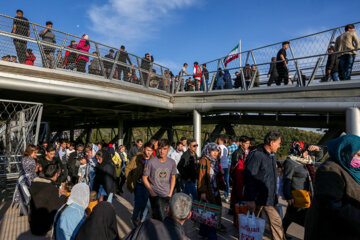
(73, 100)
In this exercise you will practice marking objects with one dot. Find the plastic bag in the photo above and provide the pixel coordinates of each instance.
(251, 227)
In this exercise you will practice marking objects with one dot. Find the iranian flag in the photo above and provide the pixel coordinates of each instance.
(234, 54)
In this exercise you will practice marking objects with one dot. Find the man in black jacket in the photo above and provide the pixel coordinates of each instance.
(74, 163)
(188, 168)
(108, 64)
(123, 57)
(146, 65)
(260, 182)
(45, 200)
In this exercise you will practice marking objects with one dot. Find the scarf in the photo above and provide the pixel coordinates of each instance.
(342, 150)
(214, 165)
(304, 161)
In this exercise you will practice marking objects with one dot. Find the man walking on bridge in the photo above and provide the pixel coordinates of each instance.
(281, 64)
(347, 41)
(21, 27)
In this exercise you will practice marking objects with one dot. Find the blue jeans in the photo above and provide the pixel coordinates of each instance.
(92, 174)
(189, 188)
(346, 63)
(206, 85)
(141, 198)
(226, 177)
(335, 76)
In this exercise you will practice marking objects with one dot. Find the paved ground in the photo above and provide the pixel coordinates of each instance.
(12, 226)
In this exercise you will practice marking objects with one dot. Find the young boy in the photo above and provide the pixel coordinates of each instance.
(30, 58)
(84, 169)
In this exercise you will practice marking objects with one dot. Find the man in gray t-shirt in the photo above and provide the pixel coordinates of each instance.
(159, 178)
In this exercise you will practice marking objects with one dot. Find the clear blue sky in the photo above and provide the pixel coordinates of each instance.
(177, 31)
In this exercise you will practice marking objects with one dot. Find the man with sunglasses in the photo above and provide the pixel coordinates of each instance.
(187, 167)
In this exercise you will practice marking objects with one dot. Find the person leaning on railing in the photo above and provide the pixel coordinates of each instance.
(94, 67)
(21, 27)
(84, 46)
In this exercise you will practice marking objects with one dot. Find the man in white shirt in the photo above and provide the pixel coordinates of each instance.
(176, 155)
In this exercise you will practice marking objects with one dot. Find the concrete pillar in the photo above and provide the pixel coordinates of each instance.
(120, 132)
(353, 121)
(197, 130)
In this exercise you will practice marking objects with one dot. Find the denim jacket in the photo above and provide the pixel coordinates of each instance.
(70, 222)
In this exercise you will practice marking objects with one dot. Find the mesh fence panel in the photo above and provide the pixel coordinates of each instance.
(59, 53)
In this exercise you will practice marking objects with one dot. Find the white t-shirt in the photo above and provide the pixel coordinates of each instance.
(223, 157)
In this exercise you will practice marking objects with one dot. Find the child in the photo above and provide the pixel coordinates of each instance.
(84, 169)
(93, 202)
(30, 58)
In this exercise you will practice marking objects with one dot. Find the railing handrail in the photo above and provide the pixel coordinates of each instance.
(277, 43)
(288, 60)
(69, 34)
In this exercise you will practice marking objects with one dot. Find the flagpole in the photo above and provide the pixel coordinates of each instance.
(240, 52)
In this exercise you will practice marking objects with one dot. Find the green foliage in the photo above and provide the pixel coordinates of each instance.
(255, 131)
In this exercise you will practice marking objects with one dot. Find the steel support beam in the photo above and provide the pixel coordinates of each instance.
(197, 130)
(38, 123)
(120, 132)
(353, 121)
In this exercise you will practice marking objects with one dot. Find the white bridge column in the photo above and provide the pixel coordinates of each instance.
(197, 130)
(353, 121)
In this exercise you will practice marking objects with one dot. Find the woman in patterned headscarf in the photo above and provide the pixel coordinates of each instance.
(208, 189)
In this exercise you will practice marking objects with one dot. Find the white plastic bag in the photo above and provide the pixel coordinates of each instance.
(251, 227)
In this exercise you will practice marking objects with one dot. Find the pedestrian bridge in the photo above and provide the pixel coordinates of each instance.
(151, 93)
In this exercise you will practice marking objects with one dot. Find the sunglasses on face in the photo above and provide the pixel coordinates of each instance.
(195, 145)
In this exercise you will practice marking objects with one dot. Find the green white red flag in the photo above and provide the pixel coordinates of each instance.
(234, 54)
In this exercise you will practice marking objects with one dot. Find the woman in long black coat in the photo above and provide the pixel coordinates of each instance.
(105, 176)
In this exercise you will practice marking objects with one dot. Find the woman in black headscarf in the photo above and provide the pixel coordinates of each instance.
(101, 224)
(105, 175)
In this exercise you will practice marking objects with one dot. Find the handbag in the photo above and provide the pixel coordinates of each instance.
(205, 213)
(239, 209)
(251, 227)
(301, 198)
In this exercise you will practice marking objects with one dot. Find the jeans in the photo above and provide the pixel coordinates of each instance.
(20, 47)
(346, 63)
(92, 177)
(335, 76)
(141, 198)
(159, 206)
(49, 59)
(206, 85)
(226, 178)
(190, 188)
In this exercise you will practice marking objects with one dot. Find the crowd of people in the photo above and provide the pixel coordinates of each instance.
(70, 187)
(339, 66)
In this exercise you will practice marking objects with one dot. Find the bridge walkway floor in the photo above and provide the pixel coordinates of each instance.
(14, 227)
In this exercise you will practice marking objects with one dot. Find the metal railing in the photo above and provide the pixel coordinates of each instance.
(55, 55)
(307, 57)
